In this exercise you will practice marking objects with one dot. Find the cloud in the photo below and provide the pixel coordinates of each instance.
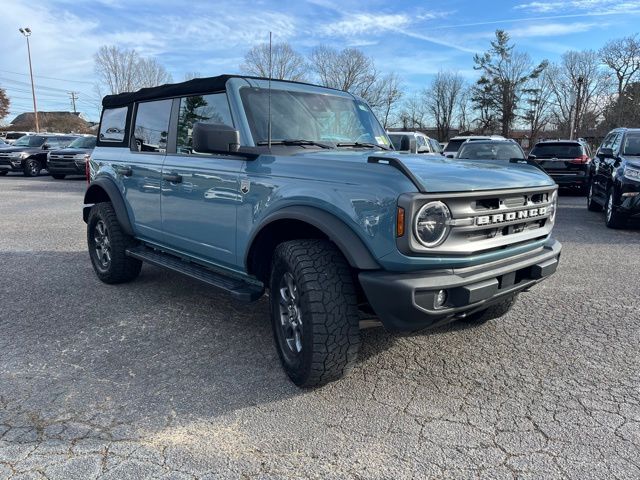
(591, 7)
(552, 29)
(362, 23)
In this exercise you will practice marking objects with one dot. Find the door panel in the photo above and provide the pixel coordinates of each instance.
(141, 169)
(199, 206)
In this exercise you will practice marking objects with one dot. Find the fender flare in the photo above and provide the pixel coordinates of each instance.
(349, 243)
(93, 195)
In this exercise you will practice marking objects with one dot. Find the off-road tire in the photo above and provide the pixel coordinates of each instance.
(612, 218)
(121, 268)
(32, 167)
(496, 310)
(592, 205)
(58, 176)
(328, 312)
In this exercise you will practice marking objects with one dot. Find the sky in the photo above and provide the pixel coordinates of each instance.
(414, 39)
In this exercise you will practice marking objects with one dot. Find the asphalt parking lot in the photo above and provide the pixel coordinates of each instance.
(165, 378)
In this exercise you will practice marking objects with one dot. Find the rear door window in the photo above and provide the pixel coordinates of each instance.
(113, 124)
(151, 128)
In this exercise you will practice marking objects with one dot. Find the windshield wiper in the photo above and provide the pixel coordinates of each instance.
(295, 142)
(362, 144)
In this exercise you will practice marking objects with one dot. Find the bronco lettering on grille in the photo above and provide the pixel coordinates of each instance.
(511, 216)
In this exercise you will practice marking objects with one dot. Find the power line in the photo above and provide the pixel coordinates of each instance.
(50, 78)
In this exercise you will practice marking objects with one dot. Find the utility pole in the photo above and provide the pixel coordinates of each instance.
(74, 97)
(27, 33)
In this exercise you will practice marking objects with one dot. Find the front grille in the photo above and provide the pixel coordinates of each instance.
(68, 158)
(485, 221)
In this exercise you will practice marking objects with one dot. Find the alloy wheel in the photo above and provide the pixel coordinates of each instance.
(102, 244)
(290, 316)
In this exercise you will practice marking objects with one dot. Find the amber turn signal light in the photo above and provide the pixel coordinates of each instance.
(400, 222)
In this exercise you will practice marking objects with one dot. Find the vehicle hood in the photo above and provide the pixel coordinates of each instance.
(633, 160)
(21, 149)
(71, 151)
(437, 173)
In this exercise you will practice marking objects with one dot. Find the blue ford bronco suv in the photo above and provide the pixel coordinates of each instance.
(294, 189)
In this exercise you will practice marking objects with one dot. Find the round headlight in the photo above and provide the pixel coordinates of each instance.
(553, 206)
(431, 225)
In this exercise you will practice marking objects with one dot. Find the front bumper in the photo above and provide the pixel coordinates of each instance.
(405, 301)
(16, 165)
(72, 167)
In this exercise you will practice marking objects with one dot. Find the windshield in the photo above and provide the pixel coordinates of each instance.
(30, 141)
(83, 142)
(396, 140)
(632, 144)
(490, 151)
(310, 116)
(454, 145)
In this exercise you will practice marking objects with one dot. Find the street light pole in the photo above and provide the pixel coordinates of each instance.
(27, 33)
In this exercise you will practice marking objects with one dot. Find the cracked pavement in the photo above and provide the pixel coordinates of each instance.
(166, 378)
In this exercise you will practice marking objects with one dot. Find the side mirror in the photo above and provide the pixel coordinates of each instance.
(449, 155)
(605, 152)
(532, 157)
(215, 138)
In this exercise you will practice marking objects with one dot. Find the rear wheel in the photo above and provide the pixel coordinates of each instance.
(314, 312)
(496, 310)
(108, 245)
(58, 176)
(613, 218)
(592, 205)
(32, 167)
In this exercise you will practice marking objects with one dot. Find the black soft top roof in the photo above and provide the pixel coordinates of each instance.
(170, 90)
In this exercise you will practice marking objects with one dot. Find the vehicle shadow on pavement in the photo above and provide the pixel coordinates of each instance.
(118, 358)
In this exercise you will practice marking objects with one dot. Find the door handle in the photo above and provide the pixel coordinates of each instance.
(172, 177)
(123, 170)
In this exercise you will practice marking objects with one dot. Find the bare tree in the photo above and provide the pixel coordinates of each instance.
(581, 89)
(124, 70)
(413, 113)
(441, 99)
(191, 75)
(4, 104)
(538, 112)
(286, 63)
(464, 109)
(151, 73)
(391, 92)
(623, 57)
(504, 74)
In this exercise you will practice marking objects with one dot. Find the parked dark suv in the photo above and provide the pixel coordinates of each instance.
(72, 159)
(566, 161)
(501, 150)
(614, 177)
(29, 153)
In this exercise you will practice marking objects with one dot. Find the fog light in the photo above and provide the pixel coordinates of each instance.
(440, 299)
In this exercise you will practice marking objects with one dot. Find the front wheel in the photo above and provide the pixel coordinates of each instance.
(32, 167)
(314, 312)
(613, 219)
(108, 245)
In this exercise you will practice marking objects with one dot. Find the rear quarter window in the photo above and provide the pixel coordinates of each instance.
(113, 125)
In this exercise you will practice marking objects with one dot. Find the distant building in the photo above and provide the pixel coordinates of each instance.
(62, 122)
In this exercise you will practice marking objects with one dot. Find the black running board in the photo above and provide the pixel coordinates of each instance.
(237, 288)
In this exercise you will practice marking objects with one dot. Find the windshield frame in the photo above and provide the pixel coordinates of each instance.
(235, 85)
